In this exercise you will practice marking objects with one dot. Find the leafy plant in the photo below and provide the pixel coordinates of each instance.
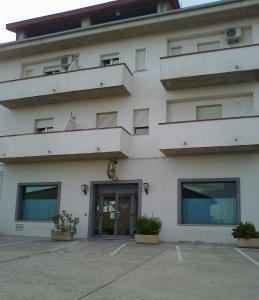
(245, 230)
(148, 225)
(65, 222)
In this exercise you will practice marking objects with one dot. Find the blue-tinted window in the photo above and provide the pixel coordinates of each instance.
(38, 202)
(209, 202)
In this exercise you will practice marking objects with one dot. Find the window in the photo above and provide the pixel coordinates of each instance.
(208, 46)
(209, 202)
(38, 202)
(141, 60)
(174, 48)
(109, 59)
(28, 73)
(44, 125)
(105, 120)
(141, 121)
(209, 112)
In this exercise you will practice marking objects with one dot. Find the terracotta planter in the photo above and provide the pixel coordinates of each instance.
(61, 236)
(147, 239)
(248, 243)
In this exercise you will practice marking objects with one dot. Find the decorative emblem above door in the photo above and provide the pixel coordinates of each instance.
(111, 169)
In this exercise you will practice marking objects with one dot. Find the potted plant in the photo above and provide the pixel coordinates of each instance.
(65, 227)
(246, 235)
(148, 229)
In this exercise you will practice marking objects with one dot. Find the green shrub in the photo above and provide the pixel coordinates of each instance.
(65, 222)
(148, 225)
(245, 230)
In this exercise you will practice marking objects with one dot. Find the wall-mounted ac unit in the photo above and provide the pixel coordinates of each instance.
(66, 61)
(233, 35)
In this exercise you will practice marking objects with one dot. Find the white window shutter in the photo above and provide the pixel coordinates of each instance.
(141, 117)
(107, 120)
(141, 59)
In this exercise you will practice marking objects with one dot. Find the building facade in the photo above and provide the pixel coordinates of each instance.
(129, 108)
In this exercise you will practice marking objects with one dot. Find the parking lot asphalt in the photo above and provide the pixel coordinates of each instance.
(37, 268)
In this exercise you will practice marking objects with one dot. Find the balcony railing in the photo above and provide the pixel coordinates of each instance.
(230, 65)
(227, 135)
(65, 145)
(109, 81)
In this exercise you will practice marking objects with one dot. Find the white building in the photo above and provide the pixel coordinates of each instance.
(170, 94)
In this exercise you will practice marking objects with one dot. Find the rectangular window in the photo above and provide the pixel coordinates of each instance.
(105, 120)
(208, 112)
(141, 60)
(209, 202)
(109, 59)
(174, 51)
(38, 202)
(44, 125)
(141, 121)
(208, 46)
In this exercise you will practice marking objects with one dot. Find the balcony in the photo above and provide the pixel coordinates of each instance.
(65, 145)
(227, 135)
(230, 65)
(84, 84)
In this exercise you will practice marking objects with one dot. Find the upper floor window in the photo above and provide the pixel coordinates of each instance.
(141, 121)
(174, 49)
(141, 60)
(208, 46)
(44, 125)
(108, 119)
(109, 59)
(207, 112)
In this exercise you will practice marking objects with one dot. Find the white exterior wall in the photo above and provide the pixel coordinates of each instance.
(145, 161)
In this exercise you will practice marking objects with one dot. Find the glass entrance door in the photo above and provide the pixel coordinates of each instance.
(116, 214)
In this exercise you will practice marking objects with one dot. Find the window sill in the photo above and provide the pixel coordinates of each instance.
(33, 221)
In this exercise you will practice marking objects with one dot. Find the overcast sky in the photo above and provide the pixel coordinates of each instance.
(17, 10)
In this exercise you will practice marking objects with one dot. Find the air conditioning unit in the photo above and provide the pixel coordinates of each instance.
(233, 35)
(66, 61)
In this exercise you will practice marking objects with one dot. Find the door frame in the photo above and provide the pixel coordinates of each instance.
(93, 189)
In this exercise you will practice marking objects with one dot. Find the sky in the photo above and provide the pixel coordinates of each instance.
(17, 10)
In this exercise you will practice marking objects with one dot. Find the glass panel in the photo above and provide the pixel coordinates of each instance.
(173, 51)
(124, 209)
(209, 203)
(39, 202)
(109, 209)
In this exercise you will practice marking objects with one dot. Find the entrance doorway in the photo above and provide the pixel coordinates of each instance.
(115, 209)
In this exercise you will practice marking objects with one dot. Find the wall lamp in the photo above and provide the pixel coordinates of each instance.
(146, 187)
(84, 188)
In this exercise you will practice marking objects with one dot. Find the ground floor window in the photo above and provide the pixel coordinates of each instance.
(209, 202)
(38, 202)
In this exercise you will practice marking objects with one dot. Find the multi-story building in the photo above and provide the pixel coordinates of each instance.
(129, 108)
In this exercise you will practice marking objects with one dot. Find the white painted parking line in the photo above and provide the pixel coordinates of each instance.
(248, 257)
(179, 254)
(63, 246)
(118, 249)
(17, 243)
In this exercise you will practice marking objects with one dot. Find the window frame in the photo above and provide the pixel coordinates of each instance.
(146, 60)
(115, 54)
(206, 43)
(141, 127)
(107, 113)
(43, 119)
(207, 180)
(19, 199)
